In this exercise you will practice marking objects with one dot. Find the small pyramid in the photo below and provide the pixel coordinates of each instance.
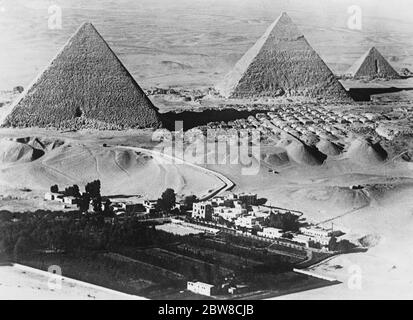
(372, 65)
(84, 85)
(282, 61)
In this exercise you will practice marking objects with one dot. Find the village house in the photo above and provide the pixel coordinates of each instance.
(201, 288)
(317, 234)
(248, 199)
(248, 222)
(70, 200)
(229, 214)
(133, 207)
(150, 206)
(202, 210)
(50, 196)
(271, 233)
(303, 239)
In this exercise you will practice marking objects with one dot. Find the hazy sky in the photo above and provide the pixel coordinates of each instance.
(195, 42)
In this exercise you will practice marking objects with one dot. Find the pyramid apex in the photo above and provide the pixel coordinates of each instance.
(284, 16)
(88, 25)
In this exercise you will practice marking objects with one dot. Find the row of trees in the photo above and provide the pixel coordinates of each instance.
(284, 221)
(71, 231)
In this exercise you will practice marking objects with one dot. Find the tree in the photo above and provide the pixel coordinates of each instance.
(97, 204)
(83, 203)
(332, 244)
(93, 188)
(284, 221)
(107, 209)
(54, 189)
(72, 191)
(167, 200)
(189, 201)
(341, 246)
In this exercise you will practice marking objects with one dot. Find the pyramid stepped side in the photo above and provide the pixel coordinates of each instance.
(372, 65)
(85, 83)
(282, 59)
(230, 82)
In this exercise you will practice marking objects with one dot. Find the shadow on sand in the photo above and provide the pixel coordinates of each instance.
(364, 94)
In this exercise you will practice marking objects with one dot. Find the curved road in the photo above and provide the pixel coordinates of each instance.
(228, 184)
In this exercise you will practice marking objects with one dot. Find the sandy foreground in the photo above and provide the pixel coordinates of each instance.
(385, 271)
(18, 282)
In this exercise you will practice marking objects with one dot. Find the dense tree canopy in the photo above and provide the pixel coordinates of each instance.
(284, 221)
(167, 201)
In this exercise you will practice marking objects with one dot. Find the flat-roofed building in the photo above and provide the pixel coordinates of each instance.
(229, 214)
(248, 222)
(133, 207)
(202, 210)
(303, 239)
(201, 288)
(271, 233)
(150, 205)
(50, 196)
(248, 199)
(317, 234)
(316, 231)
(70, 200)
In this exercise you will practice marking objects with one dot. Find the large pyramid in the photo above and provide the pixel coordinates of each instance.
(85, 85)
(282, 61)
(372, 65)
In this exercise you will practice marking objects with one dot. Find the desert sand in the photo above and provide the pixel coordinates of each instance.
(35, 163)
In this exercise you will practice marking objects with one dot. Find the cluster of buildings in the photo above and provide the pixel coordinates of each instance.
(117, 207)
(242, 213)
(240, 209)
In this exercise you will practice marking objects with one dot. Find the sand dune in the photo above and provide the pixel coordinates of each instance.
(339, 197)
(276, 159)
(120, 171)
(303, 154)
(361, 150)
(16, 152)
(329, 148)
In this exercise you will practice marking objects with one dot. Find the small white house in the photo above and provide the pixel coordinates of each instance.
(50, 196)
(201, 288)
(271, 233)
(246, 222)
(70, 200)
(150, 205)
